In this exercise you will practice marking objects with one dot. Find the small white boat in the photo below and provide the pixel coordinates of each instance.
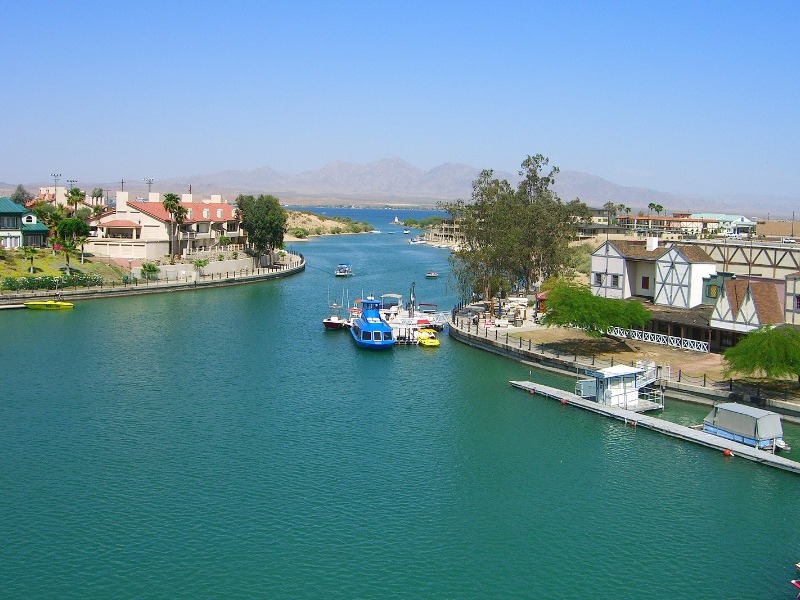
(431, 275)
(406, 231)
(343, 270)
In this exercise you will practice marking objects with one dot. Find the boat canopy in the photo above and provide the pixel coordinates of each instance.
(745, 420)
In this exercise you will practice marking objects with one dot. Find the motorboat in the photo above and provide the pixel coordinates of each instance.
(417, 240)
(431, 275)
(334, 322)
(406, 231)
(48, 304)
(428, 338)
(747, 425)
(369, 329)
(343, 270)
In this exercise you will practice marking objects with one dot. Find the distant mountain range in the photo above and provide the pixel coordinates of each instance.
(394, 181)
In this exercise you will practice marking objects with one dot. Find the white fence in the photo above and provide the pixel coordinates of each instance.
(659, 338)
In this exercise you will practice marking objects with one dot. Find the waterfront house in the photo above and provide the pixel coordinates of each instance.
(140, 229)
(20, 227)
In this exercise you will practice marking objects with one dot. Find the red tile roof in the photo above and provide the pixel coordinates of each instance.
(157, 211)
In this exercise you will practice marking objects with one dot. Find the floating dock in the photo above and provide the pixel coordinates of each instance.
(635, 419)
(10, 306)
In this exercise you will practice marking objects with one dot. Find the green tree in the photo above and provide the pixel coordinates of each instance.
(49, 214)
(177, 214)
(71, 233)
(97, 194)
(75, 196)
(488, 239)
(547, 224)
(200, 264)
(772, 352)
(21, 195)
(68, 248)
(30, 252)
(264, 220)
(572, 304)
(149, 271)
(611, 211)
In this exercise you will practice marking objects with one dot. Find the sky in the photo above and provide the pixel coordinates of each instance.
(685, 97)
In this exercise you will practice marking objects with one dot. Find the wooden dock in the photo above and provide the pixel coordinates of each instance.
(660, 425)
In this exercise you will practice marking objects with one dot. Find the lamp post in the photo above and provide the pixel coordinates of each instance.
(149, 182)
(130, 272)
(72, 183)
(56, 177)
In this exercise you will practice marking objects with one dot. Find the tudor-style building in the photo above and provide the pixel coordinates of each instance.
(668, 276)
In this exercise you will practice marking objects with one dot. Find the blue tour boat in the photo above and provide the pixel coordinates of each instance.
(369, 329)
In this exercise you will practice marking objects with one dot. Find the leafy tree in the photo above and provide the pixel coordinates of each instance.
(264, 220)
(21, 195)
(773, 352)
(177, 214)
(571, 304)
(72, 228)
(83, 213)
(611, 210)
(30, 252)
(149, 271)
(49, 214)
(547, 223)
(97, 194)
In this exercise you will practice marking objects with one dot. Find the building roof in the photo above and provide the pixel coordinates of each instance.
(120, 223)
(637, 249)
(765, 299)
(695, 254)
(8, 206)
(157, 211)
(34, 228)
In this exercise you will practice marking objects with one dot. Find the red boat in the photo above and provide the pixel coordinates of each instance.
(334, 322)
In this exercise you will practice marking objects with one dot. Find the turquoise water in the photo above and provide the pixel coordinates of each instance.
(219, 443)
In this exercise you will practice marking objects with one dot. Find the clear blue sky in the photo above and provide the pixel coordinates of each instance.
(683, 97)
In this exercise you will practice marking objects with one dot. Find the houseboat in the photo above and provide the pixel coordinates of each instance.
(631, 388)
(747, 425)
(369, 329)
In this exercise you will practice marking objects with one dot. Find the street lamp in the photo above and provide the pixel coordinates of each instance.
(56, 177)
(130, 272)
(149, 182)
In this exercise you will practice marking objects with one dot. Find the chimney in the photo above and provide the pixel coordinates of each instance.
(652, 243)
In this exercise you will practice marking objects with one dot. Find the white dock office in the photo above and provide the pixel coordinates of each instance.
(624, 386)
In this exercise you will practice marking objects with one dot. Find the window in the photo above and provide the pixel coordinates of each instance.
(219, 213)
(645, 283)
(713, 290)
(598, 279)
(615, 281)
(797, 302)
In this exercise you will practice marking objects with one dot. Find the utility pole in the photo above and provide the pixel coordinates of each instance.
(149, 182)
(122, 185)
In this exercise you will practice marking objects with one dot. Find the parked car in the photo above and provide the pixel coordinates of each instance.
(788, 240)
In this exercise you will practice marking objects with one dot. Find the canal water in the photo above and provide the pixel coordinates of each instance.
(219, 443)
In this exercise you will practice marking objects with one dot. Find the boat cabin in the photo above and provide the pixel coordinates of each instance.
(745, 424)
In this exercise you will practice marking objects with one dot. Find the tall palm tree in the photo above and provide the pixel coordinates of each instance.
(30, 252)
(75, 196)
(171, 204)
(67, 248)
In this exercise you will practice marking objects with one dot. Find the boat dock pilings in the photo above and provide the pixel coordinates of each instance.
(661, 426)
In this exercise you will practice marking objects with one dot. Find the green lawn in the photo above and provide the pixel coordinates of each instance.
(14, 264)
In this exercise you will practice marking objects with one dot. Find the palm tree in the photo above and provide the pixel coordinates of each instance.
(30, 252)
(80, 241)
(149, 271)
(171, 204)
(67, 247)
(651, 207)
(658, 208)
(75, 196)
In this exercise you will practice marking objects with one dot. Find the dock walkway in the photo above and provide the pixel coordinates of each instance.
(661, 426)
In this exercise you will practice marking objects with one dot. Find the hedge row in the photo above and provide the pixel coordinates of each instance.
(48, 282)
